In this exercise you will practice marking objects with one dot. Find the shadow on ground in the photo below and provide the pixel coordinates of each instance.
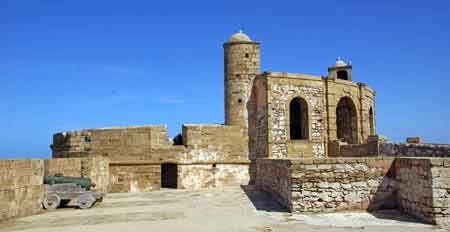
(262, 200)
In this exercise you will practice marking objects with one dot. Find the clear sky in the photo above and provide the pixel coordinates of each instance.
(68, 65)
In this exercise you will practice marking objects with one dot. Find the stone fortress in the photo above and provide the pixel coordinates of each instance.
(309, 141)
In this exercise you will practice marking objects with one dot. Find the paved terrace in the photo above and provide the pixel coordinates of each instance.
(221, 209)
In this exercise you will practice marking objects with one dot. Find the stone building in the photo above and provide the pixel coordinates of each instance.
(269, 114)
(308, 141)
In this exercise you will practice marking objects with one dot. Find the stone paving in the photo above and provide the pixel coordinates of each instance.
(220, 209)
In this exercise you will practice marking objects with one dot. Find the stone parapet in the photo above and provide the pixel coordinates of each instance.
(415, 150)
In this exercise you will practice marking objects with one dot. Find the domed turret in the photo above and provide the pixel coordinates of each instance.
(239, 37)
(340, 63)
(242, 63)
(340, 70)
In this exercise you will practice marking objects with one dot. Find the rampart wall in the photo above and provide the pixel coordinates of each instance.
(21, 188)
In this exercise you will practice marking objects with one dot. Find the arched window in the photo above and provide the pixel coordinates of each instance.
(298, 118)
(343, 75)
(371, 122)
(347, 121)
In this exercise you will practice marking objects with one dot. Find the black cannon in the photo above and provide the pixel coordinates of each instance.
(60, 190)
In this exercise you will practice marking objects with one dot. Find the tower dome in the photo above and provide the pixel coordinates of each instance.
(340, 63)
(239, 37)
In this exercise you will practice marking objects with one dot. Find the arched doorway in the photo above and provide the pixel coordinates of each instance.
(298, 119)
(347, 121)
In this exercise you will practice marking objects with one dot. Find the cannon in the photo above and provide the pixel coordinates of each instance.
(60, 190)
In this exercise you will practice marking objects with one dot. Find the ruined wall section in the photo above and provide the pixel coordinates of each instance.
(415, 150)
(282, 89)
(21, 188)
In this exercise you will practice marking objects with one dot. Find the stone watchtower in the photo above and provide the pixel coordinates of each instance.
(242, 64)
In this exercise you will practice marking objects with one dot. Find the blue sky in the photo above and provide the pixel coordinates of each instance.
(68, 65)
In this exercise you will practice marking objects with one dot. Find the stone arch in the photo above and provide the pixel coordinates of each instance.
(371, 122)
(347, 121)
(298, 119)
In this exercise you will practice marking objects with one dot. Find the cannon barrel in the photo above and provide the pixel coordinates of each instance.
(85, 183)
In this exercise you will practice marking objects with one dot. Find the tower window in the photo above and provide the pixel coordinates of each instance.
(298, 118)
(240, 100)
(246, 55)
(343, 75)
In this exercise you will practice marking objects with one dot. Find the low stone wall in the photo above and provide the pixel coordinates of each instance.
(197, 176)
(328, 185)
(414, 150)
(96, 168)
(21, 187)
(368, 149)
(424, 188)
(419, 187)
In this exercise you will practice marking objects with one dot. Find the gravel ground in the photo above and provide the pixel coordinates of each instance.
(221, 209)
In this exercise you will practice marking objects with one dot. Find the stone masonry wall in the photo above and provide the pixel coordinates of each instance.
(95, 168)
(136, 153)
(279, 99)
(329, 185)
(214, 143)
(135, 176)
(415, 150)
(274, 177)
(21, 188)
(197, 176)
(419, 187)
(424, 188)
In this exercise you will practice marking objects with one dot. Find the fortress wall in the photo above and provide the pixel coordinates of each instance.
(139, 176)
(197, 176)
(95, 168)
(215, 143)
(424, 188)
(137, 153)
(415, 150)
(21, 187)
(127, 143)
